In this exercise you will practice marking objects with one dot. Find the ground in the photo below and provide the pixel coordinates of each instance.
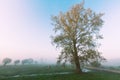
(7, 73)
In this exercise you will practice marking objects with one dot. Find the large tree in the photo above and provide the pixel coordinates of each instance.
(77, 34)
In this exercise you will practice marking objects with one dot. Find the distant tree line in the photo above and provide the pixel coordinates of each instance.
(28, 61)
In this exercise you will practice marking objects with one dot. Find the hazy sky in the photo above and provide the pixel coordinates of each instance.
(25, 27)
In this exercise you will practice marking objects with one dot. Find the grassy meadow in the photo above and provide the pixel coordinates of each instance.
(45, 72)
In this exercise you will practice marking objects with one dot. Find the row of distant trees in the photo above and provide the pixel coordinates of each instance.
(16, 62)
(29, 61)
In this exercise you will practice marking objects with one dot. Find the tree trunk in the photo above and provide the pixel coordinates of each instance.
(76, 59)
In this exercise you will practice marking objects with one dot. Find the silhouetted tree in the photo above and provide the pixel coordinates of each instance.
(30, 61)
(36, 62)
(24, 61)
(77, 32)
(27, 61)
(6, 61)
(16, 62)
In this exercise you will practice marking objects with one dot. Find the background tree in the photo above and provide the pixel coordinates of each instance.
(24, 61)
(30, 61)
(95, 64)
(35, 62)
(6, 61)
(27, 61)
(77, 32)
(16, 62)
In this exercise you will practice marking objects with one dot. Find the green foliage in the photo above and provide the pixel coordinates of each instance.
(6, 73)
(11, 70)
(85, 76)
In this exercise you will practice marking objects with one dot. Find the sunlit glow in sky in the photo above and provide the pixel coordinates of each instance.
(25, 27)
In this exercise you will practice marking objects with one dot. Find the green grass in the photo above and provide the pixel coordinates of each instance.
(8, 71)
(85, 76)
(31, 69)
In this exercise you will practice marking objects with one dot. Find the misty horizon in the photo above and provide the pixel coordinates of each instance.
(25, 28)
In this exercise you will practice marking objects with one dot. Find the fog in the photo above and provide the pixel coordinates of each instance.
(25, 28)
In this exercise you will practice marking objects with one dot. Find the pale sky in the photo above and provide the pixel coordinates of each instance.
(25, 27)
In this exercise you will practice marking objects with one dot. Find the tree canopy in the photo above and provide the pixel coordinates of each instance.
(16, 62)
(6, 61)
(27, 61)
(77, 34)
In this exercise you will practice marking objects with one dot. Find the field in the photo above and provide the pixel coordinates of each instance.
(40, 72)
